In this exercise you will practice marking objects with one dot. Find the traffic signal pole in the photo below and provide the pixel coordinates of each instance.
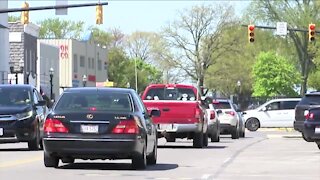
(289, 29)
(50, 7)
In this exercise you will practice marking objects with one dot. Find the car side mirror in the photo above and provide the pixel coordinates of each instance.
(219, 111)
(264, 109)
(41, 103)
(155, 113)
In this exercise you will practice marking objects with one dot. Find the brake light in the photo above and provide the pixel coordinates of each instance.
(232, 113)
(309, 116)
(54, 126)
(126, 127)
(197, 114)
(212, 115)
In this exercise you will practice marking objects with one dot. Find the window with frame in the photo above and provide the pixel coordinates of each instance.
(82, 62)
(99, 64)
(75, 63)
(89, 63)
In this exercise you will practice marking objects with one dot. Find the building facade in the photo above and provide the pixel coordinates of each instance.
(23, 53)
(4, 44)
(78, 59)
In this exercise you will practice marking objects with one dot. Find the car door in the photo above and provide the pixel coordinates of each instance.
(150, 127)
(41, 110)
(288, 113)
(270, 115)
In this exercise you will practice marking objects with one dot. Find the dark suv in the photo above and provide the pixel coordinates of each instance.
(22, 112)
(310, 100)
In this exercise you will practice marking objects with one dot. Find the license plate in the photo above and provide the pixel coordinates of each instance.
(1, 131)
(317, 130)
(166, 126)
(89, 128)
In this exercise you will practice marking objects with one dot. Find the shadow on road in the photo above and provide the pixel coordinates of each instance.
(116, 166)
(14, 149)
(190, 147)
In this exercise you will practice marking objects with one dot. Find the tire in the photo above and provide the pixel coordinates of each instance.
(34, 144)
(205, 139)
(252, 124)
(198, 140)
(306, 139)
(152, 158)
(50, 161)
(235, 133)
(318, 143)
(243, 134)
(216, 137)
(139, 161)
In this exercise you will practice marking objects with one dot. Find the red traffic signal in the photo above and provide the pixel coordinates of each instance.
(312, 32)
(251, 33)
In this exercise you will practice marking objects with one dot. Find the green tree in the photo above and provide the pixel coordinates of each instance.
(195, 38)
(274, 75)
(297, 14)
(59, 29)
(13, 18)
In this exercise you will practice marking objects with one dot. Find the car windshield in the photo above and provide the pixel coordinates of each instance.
(221, 105)
(14, 96)
(183, 94)
(94, 102)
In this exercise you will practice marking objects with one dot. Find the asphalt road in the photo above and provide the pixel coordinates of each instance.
(261, 155)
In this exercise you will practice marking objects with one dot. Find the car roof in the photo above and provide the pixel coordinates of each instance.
(23, 86)
(315, 93)
(104, 89)
(286, 99)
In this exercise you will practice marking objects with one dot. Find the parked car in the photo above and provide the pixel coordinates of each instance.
(229, 121)
(182, 112)
(22, 112)
(241, 121)
(100, 123)
(213, 124)
(311, 128)
(274, 113)
(310, 100)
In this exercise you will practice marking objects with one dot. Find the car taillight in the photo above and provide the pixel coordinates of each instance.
(232, 113)
(54, 126)
(126, 127)
(212, 115)
(309, 116)
(197, 114)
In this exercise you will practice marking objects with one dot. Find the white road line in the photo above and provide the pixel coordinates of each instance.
(227, 160)
(206, 176)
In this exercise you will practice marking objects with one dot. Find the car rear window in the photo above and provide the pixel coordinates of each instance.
(310, 100)
(221, 105)
(95, 102)
(183, 94)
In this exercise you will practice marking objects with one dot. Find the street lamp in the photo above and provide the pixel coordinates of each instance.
(84, 80)
(239, 88)
(51, 71)
(136, 73)
(15, 71)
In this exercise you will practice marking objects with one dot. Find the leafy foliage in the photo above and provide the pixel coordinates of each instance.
(59, 29)
(274, 76)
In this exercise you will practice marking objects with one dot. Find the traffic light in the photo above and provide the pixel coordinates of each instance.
(99, 14)
(25, 14)
(251, 33)
(312, 32)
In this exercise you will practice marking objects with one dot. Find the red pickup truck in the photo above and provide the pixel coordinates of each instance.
(182, 112)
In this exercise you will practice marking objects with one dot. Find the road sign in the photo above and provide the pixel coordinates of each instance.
(282, 29)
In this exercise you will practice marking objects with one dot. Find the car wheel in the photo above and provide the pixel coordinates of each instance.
(252, 124)
(205, 139)
(198, 140)
(235, 133)
(216, 137)
(306, 139)
(139, 161)
(152, 158)
(50, 161)
(34, 144)
(243, 134)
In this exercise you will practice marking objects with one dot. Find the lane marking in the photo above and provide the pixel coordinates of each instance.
(206, 176)
(227, 160)
(20, 162)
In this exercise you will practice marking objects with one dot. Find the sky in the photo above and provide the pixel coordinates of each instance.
(129, 16)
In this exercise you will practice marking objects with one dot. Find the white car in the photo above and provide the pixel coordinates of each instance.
(274, 113)
(213, 124)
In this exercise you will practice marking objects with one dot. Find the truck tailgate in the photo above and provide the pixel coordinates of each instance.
(174, 112)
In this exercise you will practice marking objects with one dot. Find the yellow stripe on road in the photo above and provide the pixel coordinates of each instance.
(20, 162)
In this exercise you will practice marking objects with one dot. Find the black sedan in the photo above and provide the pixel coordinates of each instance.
(311, 129)
(100, 123)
